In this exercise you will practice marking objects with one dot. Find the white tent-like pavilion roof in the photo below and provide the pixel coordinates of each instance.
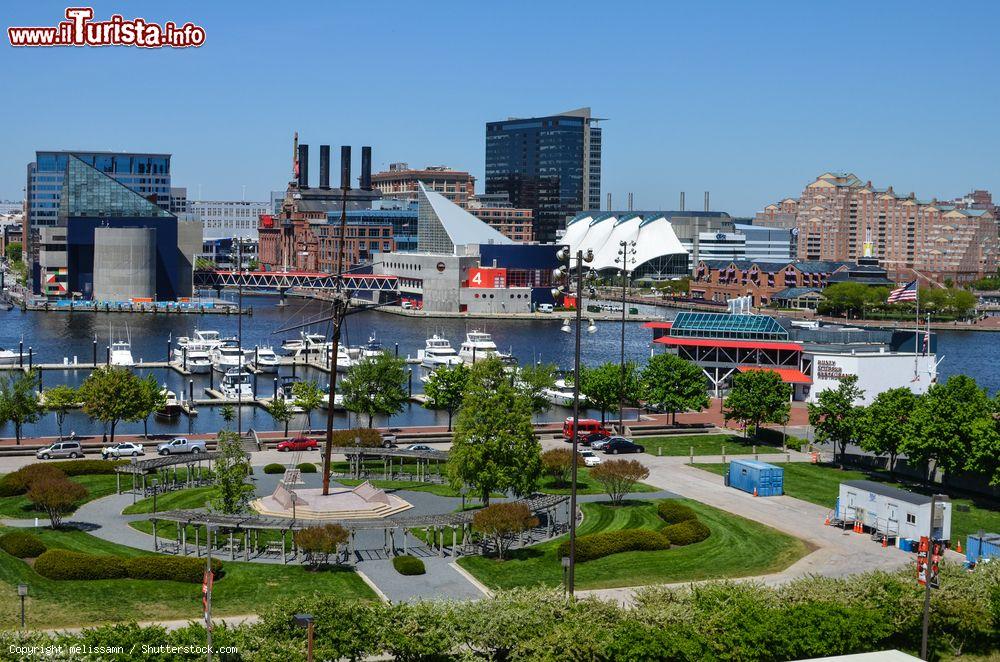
(602, 233)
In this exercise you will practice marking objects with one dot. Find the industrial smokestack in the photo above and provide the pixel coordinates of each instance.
(609, 201)
(682, 201)
(303, 166)
(324, 166)
(366, 167)
(630, 201)
(345, 166)
(707, 205)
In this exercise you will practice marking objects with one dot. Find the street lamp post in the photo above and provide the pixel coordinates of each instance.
(561, 272)
(306, 621)
(239, 334)
(22, 592)
(626, 254)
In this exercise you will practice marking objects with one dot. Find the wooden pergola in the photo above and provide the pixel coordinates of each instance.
(164, 469)
(242, 533)
(428, 463)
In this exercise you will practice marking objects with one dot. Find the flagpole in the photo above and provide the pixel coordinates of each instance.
(916, 336)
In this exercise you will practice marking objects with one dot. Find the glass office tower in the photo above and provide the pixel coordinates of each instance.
(551, 165)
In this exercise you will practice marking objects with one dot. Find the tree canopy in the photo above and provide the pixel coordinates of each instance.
(885, 425)
(603, 385)
(307, 397)
(232, 467)
(835, 417)
(532, 380)
(494, 446)
(279, 410)
(445, 388)
(673, 384)
(375, 385)
(59, 400)
(112, 394)
(19, 402)
(758, 397)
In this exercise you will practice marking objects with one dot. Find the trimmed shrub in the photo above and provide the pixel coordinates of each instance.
(307, 468)
(364, 437)
(87, 467)
(170, 568)
(67, 564)
(408, 565)
(18, 482)
(606, 543)
(673, 512)
(274, 468)
(22, 544)
(687, 532)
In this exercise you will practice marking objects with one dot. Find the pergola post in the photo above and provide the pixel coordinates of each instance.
(284, 554)
(232, 548)
(118, 483)
(246, 545)
(454, 542)
(440, 543)
(392, 541)
(154, 535)
(184, 541)
(404, 539)
(197, 541)
(385, 541)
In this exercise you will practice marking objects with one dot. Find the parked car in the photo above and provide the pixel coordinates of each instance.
(587, 426)
(418, 447)
(298, 444)
(70, 449)
(545, 308)
(618, 445)
(181, 445)
(590, 458)
(388, 440)
(124, 449)
(590, 439)
(599, 444)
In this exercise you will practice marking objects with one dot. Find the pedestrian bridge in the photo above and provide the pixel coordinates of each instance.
(286, 280)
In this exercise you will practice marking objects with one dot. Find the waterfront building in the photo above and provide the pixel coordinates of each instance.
(497, 212)
(551, 165)
(929, 239)
(768, 242)
(668, 243)
(11, 208)
(721, 280)
(178, 200)
(811, 359)
(401, 182)
(229, 219)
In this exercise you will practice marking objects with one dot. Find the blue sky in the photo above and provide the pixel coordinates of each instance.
(749, 100)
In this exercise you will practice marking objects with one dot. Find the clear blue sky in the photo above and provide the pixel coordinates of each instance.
(750, 100)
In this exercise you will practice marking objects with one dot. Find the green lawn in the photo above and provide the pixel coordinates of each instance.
(820, 484)
(187, 499)
(737, 547)
(244, 589)
(18, 507)
(711, 444)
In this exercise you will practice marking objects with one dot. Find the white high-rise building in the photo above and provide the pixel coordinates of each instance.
(227, 219)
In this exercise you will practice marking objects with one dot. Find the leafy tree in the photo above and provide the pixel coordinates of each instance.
(835, 417)
(557, 463)
(112, 394)
(14, 251)
(758, 397)
(19, 402)
(280, 411)
(532, 380)
(886, 423)
(319, 542)
(376, 385)
(56, 495)
(153, 397)
(59, 400)
(952, 418)
(204, 264)
(445, 388)
(232, 467)
(673, 384)
(984, 457)
(308, 397)
(502, 523)
(228, 414)
(846, 297)
(618, 477)
(603, 385)
(494, 446)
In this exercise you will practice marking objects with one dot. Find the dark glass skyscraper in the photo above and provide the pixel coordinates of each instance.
(551, 165)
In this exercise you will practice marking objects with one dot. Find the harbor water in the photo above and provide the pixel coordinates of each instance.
(55, 336)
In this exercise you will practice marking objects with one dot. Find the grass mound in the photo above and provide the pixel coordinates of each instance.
(408, 565)
(22, 544)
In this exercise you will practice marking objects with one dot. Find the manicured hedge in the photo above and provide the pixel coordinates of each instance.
(87, 467)
(274, 468)
(18, 482)
(22, 544)
(67, 564)
(673, 512)
(307, 468)
(687, 532)
(606, 543)
(408, 565)
(364, 437)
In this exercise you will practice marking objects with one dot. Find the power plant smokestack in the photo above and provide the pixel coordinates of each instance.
(609, 201)
(366, 168)
(303, 166)
(682, 201)
(630, 201)
(345, 166)
(707, 206)
(324, 166)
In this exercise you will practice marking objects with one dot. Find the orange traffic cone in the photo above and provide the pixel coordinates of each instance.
(885, 541)
(958, 546)
(826, 522)
(755, 491)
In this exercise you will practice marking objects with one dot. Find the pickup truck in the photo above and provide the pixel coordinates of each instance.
(181, 445)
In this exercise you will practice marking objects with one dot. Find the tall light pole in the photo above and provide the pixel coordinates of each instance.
(563, 271)
(626, 254)
(239, 334)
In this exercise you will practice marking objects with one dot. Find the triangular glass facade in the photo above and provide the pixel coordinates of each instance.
(88, 192)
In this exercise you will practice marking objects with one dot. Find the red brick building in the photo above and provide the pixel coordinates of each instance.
(312, 245)
(722, 280)
(400, 182)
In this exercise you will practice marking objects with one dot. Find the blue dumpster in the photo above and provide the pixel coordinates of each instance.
(986, 546)
(748, 475)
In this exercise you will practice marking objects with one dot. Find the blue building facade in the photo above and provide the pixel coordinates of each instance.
(400, 214)
(527, 265)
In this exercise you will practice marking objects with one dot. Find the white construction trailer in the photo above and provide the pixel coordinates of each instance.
(892, 512)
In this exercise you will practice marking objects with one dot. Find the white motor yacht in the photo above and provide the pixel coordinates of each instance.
(560, 394)
(344, 360)
(121, 351)
(171, 407)
(228, 355)
(263, 359)
(479, 346)
(193, 355)
(236, 384)
(371, 348)
(7, 357)
(438, 352)
(306, 343)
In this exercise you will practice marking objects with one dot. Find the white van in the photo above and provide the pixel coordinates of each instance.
(545, 307)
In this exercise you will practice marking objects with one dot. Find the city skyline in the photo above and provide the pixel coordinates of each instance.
(727, 102)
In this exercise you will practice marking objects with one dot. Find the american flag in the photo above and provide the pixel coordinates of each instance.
(907, 292)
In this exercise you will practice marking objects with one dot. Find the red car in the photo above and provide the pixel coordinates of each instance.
(298, 444)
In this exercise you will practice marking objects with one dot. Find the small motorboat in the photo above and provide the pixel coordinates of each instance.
(228, 355)
(263, 359)
(171, 408)
(235, 384)
(7, 357)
